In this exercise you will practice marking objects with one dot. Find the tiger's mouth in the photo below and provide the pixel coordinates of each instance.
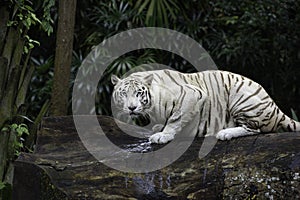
(134, 114)
(140, 118)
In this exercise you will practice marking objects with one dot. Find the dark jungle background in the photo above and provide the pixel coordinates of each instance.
(259, 39)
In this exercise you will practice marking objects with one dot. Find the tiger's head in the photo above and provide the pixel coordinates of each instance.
(132, 95)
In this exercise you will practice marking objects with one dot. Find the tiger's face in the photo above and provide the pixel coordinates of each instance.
(131, 96)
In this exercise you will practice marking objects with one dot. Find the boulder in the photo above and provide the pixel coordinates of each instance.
(265, 166)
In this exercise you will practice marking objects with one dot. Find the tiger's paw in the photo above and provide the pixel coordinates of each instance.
(161, 138)
(224, 135)
(229, 133)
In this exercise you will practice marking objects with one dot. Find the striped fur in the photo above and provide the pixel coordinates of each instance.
(217, 103)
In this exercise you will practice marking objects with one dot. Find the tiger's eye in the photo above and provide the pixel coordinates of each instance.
(123, 93)
(138, 93)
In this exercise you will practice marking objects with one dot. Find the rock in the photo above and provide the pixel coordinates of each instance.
(265, 166)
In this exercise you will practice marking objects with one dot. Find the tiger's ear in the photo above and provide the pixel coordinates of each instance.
(149, 79)
(114, 79)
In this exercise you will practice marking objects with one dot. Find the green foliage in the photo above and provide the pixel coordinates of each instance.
(19, 131)
(47, 22)
(24, 18)
(16, 44)
(30, 44)
(259, 39)
(24, 15)
(40, 86)
(42, 80)
(105, 18)
(158, 12)
(5, 190)
(2, 185)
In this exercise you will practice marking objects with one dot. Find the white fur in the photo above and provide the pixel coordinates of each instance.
(229, 133)
(161, 138)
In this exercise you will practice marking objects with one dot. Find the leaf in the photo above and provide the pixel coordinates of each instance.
(2, 185)
(169, 8)
(142, 6)
(14, 126)
(29, 8)
(160, 12)
(294, 116)
(26, 50)
(33, 16)
(4, 129)
(150, 11)
(11, 23)
(30, 46)
(28, 22)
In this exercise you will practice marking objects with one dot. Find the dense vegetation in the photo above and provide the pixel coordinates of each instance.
(259, 39)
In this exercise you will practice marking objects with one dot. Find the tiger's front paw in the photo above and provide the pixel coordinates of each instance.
(161, 138)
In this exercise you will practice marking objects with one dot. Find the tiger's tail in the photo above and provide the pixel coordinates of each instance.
(289, 124)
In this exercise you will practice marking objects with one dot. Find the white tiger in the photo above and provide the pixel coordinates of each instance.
(218, 103)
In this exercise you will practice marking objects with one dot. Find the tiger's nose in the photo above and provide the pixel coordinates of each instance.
(131, 108)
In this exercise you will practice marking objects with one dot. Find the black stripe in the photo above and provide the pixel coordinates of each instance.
(289, 128)
(236, 102)
(221, 114)
(171, 77)
(217, 81)
(149, 95)
(237, 79)
(204, 81)
(227, 117)
(229, 80)
(267, 97)
(197, 80)
(209, 114)
(252, 95)
(294, 125)
(166, 103)
(183, 78)
(272, 114)
(213, 96)
(159, 103)
(240, 86)
(282, 119)
(275, 124)
(227, 90)
(222, 77)
(182, 95)
(252, 107)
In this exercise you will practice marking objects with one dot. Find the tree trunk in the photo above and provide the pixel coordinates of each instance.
(265, 166)
(15, 76)
(63, 57)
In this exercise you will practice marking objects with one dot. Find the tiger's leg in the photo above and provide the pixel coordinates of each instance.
(168, 132)
(185, 115)
(157, 128)
(229, 133)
